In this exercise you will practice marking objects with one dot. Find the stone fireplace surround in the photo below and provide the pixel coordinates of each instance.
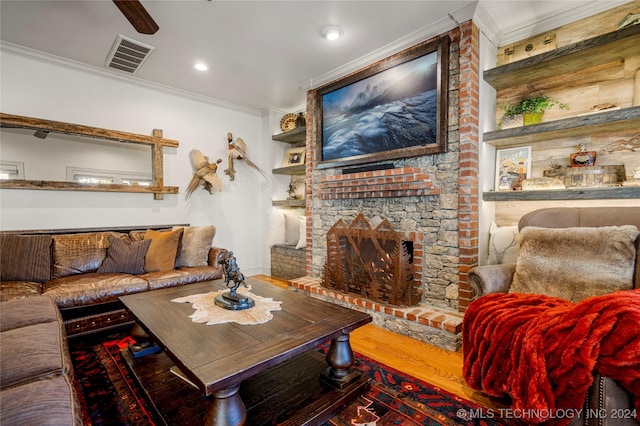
(432, 198)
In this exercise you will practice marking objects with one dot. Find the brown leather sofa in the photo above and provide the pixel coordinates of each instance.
(605, 396)
(69, 267)
(36, 375)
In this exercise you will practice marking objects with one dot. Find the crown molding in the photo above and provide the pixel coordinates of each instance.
(442, 26)
(487, 25)
(114, 75)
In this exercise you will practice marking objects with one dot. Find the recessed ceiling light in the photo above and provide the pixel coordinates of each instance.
(201, 67)
(332, 33)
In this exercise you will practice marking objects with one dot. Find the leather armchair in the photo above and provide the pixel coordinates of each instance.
(605, 397)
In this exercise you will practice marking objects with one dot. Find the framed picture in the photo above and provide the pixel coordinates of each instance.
(294, 156)
(396, 108)
(512, 166)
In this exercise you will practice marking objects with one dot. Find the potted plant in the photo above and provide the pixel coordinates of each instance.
(531, 108)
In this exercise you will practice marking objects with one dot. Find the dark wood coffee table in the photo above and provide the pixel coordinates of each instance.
(221, 358)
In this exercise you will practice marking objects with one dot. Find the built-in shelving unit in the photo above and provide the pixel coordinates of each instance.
(295, 137)
(597, 50)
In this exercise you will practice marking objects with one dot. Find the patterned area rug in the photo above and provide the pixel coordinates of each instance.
(109, 394)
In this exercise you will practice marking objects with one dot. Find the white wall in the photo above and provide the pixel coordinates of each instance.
(36, 86)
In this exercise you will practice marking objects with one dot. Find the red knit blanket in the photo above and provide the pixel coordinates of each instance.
(542, 351)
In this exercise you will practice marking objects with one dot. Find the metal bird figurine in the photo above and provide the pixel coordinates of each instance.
(238, 151)
(205, 173)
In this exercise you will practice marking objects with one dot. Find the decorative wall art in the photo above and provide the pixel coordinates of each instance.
(513, 165)
(204, 173)
(294, 156)
(395, 108)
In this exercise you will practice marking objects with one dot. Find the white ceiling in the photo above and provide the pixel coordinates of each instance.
(265, 54)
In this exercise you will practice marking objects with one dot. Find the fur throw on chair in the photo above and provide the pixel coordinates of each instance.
(542, 351)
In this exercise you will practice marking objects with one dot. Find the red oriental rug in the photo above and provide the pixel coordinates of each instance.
(110, 395)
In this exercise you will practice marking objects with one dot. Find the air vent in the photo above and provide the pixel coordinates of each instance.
(128, 55)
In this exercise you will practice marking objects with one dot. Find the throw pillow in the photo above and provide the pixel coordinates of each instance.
(163, 250)
(503, 244)
(302, 240)
(25, 258)
(125, 256)
(575, 263)
(276, 229)
(195, 245)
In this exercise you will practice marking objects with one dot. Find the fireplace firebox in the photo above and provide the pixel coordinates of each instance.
(377, 264)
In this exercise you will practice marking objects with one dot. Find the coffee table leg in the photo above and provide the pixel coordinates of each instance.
(340, 359)
(226, 408)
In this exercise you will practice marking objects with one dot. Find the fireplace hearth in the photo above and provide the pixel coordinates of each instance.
(376, 264)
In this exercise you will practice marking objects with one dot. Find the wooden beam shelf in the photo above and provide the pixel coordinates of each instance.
(156, 141)
(299, 134)
(604, 122)
(622, 192)
(288, 203)
(299, 169)
(583, 54)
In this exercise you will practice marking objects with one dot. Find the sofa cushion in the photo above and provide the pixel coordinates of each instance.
(125, 256)
(78, 290)
(31, 353)
(181, 276)
(22, 313)
(25, 258)
(12, 290)
(50, 402)
(195, 244)
(163, 250)
(575, 263)
(80, 253)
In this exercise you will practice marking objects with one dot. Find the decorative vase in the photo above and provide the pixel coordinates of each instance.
(510, 121)
(532, 118)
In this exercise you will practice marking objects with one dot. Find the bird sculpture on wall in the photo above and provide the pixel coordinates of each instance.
(238, 151)
(205, 173)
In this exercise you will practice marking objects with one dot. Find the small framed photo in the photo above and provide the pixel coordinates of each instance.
(512, 166)
(294, 156)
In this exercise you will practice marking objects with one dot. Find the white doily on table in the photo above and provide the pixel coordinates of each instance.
(208, 312)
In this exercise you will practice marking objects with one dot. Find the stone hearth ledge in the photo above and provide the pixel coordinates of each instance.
(436, 326)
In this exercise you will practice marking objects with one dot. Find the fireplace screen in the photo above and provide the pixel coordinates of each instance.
(373, 263)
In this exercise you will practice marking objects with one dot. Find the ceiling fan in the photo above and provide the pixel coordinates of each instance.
(137, 15)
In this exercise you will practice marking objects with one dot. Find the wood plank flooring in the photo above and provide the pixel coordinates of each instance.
(432, 364)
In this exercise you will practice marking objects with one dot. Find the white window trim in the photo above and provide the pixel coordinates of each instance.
(114, 176)
(12, 167)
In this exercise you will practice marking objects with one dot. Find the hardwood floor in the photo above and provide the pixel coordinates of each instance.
(434, 365)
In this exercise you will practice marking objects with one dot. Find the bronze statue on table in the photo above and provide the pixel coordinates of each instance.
(232, 300)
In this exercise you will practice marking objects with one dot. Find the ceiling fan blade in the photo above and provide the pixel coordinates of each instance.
(135, 12)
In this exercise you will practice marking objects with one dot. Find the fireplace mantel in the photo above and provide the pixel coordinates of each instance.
(399, 182)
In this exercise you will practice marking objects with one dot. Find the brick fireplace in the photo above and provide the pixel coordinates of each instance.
(431, 200)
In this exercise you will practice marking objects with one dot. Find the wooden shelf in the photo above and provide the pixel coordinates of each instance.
(584, 54)
(603, 122)
(622, 192)
(288, 203)
(300, 169)
(299, 134)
